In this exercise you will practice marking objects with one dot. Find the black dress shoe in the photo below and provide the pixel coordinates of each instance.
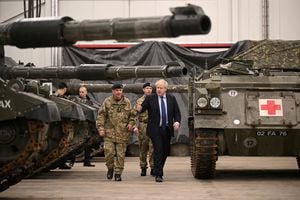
(88, 165)
(110, 174)
(159, 179)
(143, 171)
(118, 177)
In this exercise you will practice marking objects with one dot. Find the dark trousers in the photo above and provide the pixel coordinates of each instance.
(161, 149)
(87, 154)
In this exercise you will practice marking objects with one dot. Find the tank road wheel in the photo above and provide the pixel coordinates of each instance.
(298, 161)
(204, 154)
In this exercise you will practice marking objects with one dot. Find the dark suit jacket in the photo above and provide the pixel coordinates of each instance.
(151, 104)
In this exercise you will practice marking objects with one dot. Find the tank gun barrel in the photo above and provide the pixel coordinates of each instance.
(50, 32)
(128, 88)
(87, 72)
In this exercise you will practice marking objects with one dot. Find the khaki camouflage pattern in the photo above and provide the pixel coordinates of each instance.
(113, 118)
(115, 156)
(142, 117)
(273, 54)
(85, 101)
(145, 143)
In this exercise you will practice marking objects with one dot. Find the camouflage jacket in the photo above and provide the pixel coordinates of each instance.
(142, 120)
(85, 101)
(113, 118)
(142, 117)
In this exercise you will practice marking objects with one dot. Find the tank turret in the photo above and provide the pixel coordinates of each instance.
(51, 32)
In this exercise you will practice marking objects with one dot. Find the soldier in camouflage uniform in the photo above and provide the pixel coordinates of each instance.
(115, 122)
(83, 98)
(145, 143)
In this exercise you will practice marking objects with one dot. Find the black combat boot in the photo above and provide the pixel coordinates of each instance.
(118, 177)
(110, 174)
(143, 171)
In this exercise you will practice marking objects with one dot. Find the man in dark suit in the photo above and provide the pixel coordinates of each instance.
(163, 119)
(84, 98)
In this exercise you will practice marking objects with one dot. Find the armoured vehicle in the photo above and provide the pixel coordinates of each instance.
(247, 107)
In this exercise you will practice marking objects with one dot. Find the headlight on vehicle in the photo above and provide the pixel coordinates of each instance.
(202, 102)
(215, 102)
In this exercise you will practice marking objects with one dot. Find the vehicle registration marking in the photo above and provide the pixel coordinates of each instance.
(281, 133)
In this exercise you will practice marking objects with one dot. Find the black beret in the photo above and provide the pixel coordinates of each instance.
(117, 86)
(146, 85)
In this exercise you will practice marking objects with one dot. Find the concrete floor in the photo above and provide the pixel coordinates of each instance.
(237, 178)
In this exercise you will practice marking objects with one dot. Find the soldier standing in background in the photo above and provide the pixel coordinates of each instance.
(115, 122)
(62, 90)
(87, 148)
(145, 143)
(62, 93)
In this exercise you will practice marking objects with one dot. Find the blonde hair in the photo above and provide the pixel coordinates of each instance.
(163, 82)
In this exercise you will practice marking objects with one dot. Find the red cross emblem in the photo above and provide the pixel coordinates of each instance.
(270, 107)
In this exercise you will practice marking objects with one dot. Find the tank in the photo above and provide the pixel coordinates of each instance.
(51, 32)
(248, 106)
(85, 130)
(67, 137)
(23, 126)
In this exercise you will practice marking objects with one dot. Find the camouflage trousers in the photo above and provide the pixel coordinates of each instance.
(115, 155)
(146, 148)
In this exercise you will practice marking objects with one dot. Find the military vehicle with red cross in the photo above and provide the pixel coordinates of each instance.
(249, 106)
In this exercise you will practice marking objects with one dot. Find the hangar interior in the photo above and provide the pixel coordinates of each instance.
(40, 131)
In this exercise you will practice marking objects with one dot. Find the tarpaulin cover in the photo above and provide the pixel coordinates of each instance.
(276, 54)
(155, 53)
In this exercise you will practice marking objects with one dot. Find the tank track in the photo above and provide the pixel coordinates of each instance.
(16, 169)
(204, 154)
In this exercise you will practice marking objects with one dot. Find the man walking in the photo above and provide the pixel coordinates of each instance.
(115, 122)
(163, 119)
(145, 143)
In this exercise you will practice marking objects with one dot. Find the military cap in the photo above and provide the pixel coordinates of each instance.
(146, 85)
(117, 86)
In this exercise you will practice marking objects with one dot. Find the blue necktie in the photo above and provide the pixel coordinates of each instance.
(163, 114)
